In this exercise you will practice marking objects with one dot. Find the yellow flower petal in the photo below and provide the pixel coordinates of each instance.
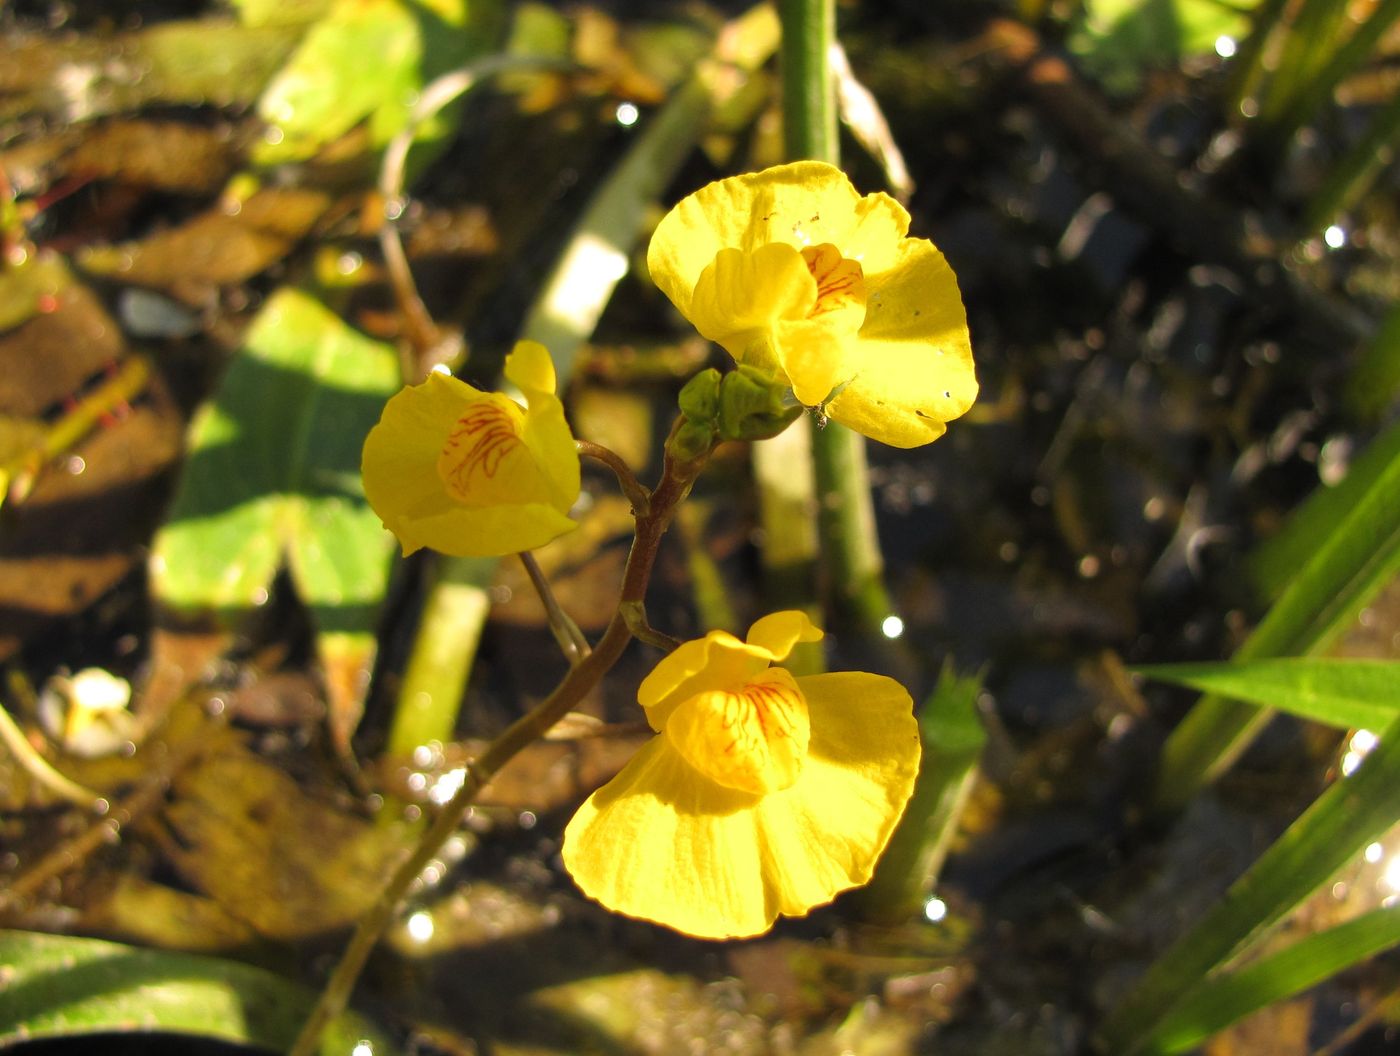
(802, 204)
(716, 662)
(530, 368)
(752, 738)
(467, 472)
(912, 357)
(825, 833)
(778, 632)
(740, 296)
(483, 461)
(664, 843)
(489, 531)
(551, 443)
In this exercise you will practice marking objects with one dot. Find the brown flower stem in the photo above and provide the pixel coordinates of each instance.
(636, 492)
(675, 484)
(566, 632)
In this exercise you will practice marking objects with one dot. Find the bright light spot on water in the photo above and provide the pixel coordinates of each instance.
(446, 786)
(1335, 237)
(362, 1048)
(420, 926)
(935, 909)
(1391, 876)
(1374, 852)
(627, 114)
(1225, 47)
(1362, 741)
(892, 626)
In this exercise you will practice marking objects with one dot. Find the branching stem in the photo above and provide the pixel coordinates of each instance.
(566, 632)
(636, 492)
(675, 484)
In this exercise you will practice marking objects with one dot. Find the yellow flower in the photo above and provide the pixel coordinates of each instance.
(763, 793)
(473, 473)
(792, 270)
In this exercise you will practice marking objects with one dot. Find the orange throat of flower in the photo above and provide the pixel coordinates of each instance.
(753, 739)
(840, 280)
(476, 456)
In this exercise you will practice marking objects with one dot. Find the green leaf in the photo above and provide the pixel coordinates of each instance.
(1273, 565)
(1117, 38)
(279, 12)
(1355, 811)
(367, 59)
(1374, 382)
(1361, 694)
(1228, 998)
(273, 474)
(1358, 557)
(56, 986)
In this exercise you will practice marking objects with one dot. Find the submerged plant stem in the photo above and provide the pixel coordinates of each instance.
(674, 486)
(443, 649)
(850, 549)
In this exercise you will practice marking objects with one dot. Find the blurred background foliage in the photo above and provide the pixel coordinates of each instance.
(230, 229)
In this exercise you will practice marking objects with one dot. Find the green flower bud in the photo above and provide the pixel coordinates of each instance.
(699, 400)
(754, 405)
(690, 440)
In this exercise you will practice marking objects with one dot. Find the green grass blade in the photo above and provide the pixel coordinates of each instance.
(1352, 694)
(1343, 61)
(55, 986)
(1374, 384)
(1229, 998)
(1354, 562)
(1352, 176)
(1352, 813)
(1309, 42)
(1273, 565)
